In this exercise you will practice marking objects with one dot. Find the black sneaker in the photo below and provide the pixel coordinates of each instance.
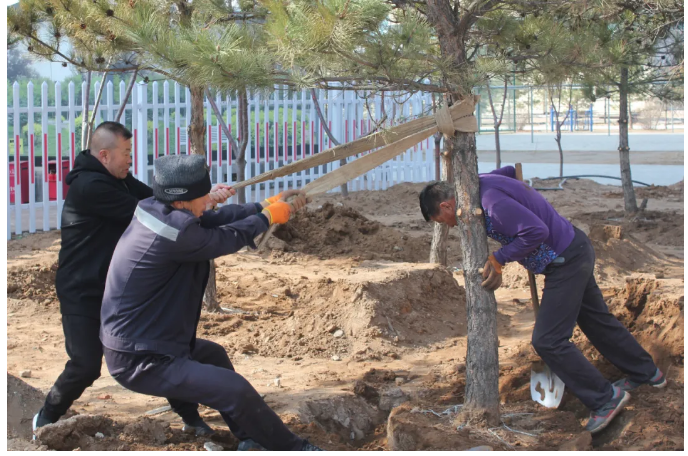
(198, 427)
(600, 418)
(658, 380)
(308, 446)
(39, 421)
(250, 445)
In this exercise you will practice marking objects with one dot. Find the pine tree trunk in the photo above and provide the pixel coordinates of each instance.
(498, 148)
(630, 204)
(561, 152)
(482, 363)
(440, 231)
(196, 133)
(438, 139)
(242, 114)
(241, 176)
(344, 187)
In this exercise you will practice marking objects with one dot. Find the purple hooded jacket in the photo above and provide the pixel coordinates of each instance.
(522, 220)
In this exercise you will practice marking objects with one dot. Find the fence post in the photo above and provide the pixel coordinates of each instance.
(110, 112)
(58, 153)
(32, 160)
(672, 117)
(177, 120)
(72, 144)
(17, 158)
(134, 129)
(532, 127)
(143, 128)
(44, 159)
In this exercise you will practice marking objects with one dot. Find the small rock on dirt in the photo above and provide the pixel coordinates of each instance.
(391, 398)
(248, 348)
(338, 333)
(104, 397)
(399, 381)
(336, 358)
(147, 430)
(582, 442)
(212, 446)
(367, 392)
(99, 435)
(278, 382)
(72, 433)
(25, 374)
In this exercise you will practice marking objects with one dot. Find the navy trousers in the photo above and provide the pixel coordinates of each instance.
(571, 296)
(206, 377)
(83, 368)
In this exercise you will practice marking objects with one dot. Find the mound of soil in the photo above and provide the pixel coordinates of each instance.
(661, 228)
(332, 231)
(652, 309)
(672, 192)
(23, 401)
(32, 282)
(374, 309)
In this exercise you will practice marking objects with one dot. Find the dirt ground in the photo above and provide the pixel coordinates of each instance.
(358, 343)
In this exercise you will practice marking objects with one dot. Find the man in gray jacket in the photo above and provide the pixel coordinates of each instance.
(154, 293)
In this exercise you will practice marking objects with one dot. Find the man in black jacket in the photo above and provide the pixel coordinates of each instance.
(98, 208)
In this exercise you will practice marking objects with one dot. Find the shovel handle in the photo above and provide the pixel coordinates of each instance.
(531, 277)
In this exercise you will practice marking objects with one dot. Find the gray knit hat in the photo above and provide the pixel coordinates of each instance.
(181, 178)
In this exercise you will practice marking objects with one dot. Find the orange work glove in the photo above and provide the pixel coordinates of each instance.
(278, 212)
(273, 199)
(492, 273)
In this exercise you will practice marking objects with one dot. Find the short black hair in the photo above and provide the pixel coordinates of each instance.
(115, 128)
(431, 197)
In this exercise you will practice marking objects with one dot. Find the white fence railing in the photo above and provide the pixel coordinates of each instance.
(283, 126)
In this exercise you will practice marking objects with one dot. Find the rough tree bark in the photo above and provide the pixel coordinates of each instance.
(630, 204)
(196, 133)
(482, 361)
(243, 143)
(482, 365)
(127, 94)
(440, 231)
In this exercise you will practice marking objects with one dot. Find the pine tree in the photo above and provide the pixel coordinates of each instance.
(204, 43)
(643, 45)
(437, 46)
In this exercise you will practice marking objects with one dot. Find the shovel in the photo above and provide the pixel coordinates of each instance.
(546, 387)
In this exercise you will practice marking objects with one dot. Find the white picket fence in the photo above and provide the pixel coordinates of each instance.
(282, 129)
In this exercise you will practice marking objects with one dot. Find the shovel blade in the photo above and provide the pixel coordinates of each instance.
(546, 388)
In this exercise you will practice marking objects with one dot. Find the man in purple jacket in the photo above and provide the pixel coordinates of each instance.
(154, 292)
(534, 234)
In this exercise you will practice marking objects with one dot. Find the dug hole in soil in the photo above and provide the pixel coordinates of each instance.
(359, 344)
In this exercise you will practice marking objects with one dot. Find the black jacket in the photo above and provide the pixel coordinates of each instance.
(97, 210)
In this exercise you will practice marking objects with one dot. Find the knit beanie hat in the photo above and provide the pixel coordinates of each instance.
(181, 178)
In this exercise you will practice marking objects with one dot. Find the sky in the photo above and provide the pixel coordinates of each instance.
(53, 71)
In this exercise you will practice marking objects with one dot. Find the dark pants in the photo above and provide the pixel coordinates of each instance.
(206, 376)
(83, 368)
(571, 296)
